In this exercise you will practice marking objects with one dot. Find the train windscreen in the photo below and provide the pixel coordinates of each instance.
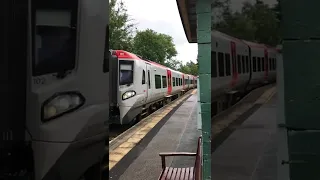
(126, 72)
(54, 38)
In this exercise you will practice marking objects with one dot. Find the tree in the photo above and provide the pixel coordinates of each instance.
(154, 46)
(120, 26)
(256, 22)
(190, 68)
(173, 64)
(277, 11)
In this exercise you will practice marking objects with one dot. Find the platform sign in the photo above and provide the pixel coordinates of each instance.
(199, 120)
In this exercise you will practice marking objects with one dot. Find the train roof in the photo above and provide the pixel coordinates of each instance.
(225, 36)
(121, 54)
(254, 44)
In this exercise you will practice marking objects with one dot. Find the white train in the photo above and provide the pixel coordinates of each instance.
(144, 84)
(237, 66)
(53, 124)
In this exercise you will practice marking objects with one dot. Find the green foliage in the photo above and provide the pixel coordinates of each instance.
(149, 44)
(256, 22)
(120, 26)
(173, 64)
(190, 68)
(154, 46)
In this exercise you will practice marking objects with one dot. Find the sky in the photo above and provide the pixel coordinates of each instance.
(163, 17)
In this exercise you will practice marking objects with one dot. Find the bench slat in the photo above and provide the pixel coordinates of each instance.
(183, 173)
(178, 174)
(170, 173)
(174, 173)
(191, 173)
(187, 174)
(164, 174)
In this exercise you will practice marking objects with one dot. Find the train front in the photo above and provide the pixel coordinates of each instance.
(67, 99)
(130, 95)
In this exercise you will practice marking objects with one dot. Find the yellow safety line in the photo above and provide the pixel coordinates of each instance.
(118, 153)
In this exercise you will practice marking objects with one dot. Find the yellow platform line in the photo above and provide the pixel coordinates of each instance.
(119, 152)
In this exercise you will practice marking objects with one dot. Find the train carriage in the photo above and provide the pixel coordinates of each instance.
(144, 84)
(236, 67)
(229, 65)
(272, 55)
(259, 54)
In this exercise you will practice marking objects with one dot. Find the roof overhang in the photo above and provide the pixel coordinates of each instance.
(187, 10)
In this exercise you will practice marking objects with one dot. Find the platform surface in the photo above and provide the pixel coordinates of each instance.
(250, 152)
(179, 133)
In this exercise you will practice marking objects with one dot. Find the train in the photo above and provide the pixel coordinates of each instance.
(237, 66)
(143, 85)
(54, 118)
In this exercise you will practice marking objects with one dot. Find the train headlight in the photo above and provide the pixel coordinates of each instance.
(61, 103)
(128, 95)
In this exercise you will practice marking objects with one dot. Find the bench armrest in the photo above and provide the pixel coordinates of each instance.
(165, 154)
(177, 154)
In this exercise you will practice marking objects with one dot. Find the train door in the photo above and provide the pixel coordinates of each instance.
(13, 66)
(149, 82)
(183, 81)
(169, 82)
(266, 67)
(144, 86)
(234, 64)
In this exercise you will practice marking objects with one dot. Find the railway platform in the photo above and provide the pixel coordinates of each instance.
(172, 128)
(249, 147)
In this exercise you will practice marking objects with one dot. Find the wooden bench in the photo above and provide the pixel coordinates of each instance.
(187, 173)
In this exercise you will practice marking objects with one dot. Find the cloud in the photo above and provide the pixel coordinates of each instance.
(163, 17)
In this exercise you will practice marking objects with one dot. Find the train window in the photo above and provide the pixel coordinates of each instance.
(243, 65)
(239, 64)
(254, 64)
(180, 79)
(54, 38)
(173, 81)
(262, 63)
(213, 64)
(259, 64)
(126, 72)
(177, 82)
(149, 80)
(143, 77)
(228, 64)
(247, 64)
(157, 81)
(221, 64)
(270, 66)
(164, 81)
(274, 64)
(106, 52)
